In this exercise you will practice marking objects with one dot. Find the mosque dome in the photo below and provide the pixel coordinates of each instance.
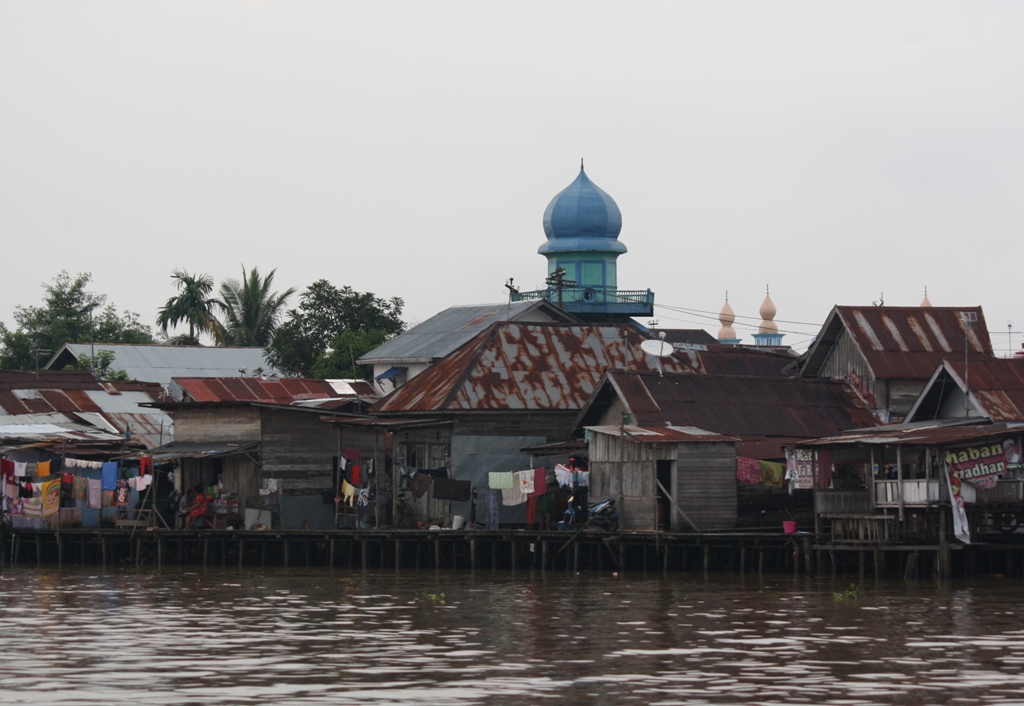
(768, 312)
(727, 318)
(926, 302)
(582, 217)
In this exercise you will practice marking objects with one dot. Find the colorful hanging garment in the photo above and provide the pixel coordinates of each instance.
(493, 509)
(500, 480)
(109, 475)
(525, 479)
(748, 470)
(771, 474)
(122, 494)
(51, 497)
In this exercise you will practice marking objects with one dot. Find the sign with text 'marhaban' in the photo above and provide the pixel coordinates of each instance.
(977, 465)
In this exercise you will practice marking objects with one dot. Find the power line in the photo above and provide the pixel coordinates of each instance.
(714, 315)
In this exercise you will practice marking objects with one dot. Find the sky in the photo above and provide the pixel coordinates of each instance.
(837, 152)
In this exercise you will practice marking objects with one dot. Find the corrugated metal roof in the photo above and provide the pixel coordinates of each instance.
(919, 436)
(997, 385)
(452, 328)
(189, 449)
(720, 359)
(513, 366)
(685, 335)
(160, 363)
(283, 391)
(660, 435)
(902, 343)
(747, 407)
(112, 407)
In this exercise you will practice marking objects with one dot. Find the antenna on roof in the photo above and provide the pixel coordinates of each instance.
(657, 348)
(512, 291)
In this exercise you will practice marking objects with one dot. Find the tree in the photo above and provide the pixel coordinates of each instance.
(346, 349)
(325, 312)
(69, 314)
(100, 364)
(192, 305)
(251, 310)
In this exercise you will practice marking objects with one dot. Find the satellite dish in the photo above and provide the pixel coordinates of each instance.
(657, 349)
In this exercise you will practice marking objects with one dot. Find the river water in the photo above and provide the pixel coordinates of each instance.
(88, 636)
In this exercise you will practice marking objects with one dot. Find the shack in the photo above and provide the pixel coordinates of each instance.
(665, 478)
(261, 442)
(748, 417)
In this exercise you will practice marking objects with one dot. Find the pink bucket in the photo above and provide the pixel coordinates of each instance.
(789, 526)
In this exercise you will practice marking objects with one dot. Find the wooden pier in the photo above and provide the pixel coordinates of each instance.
(731, 552)
(414, 549)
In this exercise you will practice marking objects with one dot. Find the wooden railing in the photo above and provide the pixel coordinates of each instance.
(1005, 491)
(916, 493)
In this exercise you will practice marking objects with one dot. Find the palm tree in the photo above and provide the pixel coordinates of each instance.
(251, 310)
(192, 305)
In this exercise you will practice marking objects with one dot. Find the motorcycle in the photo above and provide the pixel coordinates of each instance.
(601, 515)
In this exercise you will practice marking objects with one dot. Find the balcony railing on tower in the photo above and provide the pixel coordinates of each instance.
(594, 300)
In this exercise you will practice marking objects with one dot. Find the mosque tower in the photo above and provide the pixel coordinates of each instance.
(582, 225)
(727, 334)
(768, 332)
(926, 302)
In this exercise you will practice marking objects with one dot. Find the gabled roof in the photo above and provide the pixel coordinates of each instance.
(283, 391)
(901, 342)
(452, 328)
(996, 389)
(516, 366)
(746, 407)
(159, 363)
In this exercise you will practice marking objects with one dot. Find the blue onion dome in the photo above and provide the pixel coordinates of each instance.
(582, 217)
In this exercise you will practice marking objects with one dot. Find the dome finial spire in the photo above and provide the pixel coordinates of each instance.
(581, 164)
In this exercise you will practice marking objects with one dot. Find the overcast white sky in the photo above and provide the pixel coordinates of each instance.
(833, 150)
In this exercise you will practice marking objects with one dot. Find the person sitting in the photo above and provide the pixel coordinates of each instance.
(197, 509)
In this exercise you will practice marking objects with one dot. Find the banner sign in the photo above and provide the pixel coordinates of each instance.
(800, 468)
(977, 465)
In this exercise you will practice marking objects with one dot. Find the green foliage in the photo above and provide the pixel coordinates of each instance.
(346, 349)
(69, 314)
(192, 305)
(329, 327)
(251, 310)
(100, 364)
(851, 594)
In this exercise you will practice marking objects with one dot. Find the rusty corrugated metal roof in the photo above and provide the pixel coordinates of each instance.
(997, 384)
(519, 366)
(748, 407)
(235, 389)
(902, 342)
